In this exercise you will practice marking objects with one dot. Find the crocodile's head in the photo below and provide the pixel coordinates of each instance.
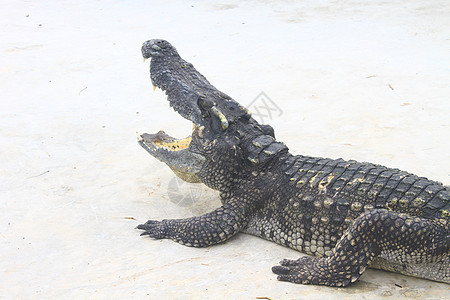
(222, 128)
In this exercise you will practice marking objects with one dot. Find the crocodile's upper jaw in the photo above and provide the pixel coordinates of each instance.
(165, 75)
(178, 78)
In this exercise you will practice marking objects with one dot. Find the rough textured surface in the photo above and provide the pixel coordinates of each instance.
(352, 213)
(74, 91)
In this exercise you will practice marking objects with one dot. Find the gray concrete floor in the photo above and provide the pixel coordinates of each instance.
(361, 80)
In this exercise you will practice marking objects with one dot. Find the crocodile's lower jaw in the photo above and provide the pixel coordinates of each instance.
(173, 152)
(162, 141)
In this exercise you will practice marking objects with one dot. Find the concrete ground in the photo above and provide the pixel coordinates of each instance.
(364, 80)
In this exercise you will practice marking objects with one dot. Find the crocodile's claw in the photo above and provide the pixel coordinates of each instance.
(154, 229)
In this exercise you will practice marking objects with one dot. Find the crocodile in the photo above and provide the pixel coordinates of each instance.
(346, 215)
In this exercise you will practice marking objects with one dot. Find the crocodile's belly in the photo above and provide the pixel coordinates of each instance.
(314, 237)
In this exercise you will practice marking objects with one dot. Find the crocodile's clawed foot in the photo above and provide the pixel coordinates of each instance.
(154, 229)
(296, 271)
(310, 270)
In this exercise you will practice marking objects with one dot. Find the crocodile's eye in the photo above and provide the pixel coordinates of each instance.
(205, 103)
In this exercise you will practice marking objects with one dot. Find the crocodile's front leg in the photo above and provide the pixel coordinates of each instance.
(205, 230)
(412, 244)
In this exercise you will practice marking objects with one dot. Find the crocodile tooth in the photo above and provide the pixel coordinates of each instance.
(154, 87)
(139, 137)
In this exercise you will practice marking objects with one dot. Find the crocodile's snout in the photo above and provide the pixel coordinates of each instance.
(153, 48)
(147, 48)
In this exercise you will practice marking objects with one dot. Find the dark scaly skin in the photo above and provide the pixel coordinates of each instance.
(350, 215)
